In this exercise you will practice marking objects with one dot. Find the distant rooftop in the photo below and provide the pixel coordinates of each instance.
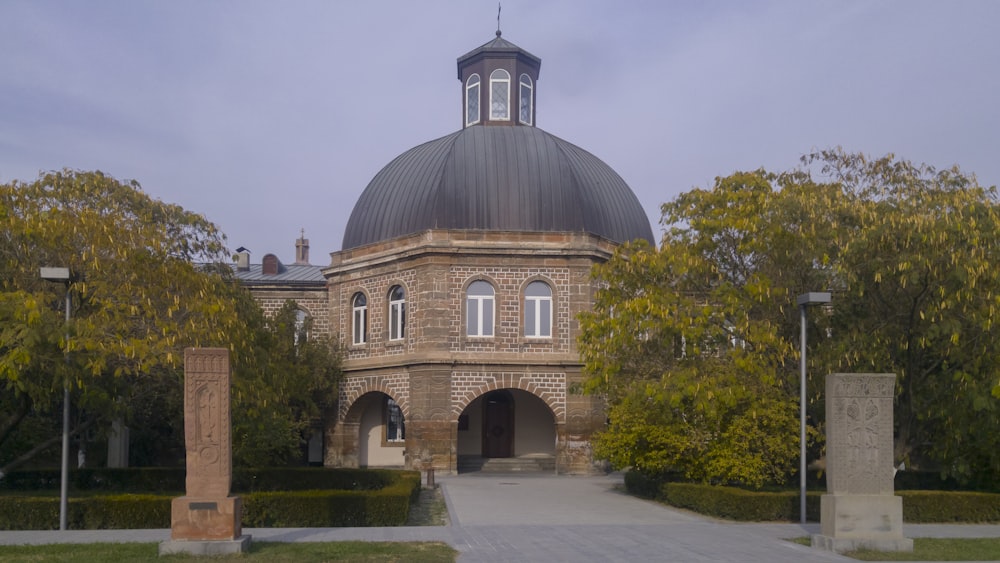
(290, 274)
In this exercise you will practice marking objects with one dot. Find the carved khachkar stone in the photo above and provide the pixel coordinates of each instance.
(860, 509)
(207, 520)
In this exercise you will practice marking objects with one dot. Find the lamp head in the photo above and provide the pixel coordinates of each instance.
(814, 298)
(56, 274)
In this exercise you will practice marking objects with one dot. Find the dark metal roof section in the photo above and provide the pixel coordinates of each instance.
(292, 274)
(497, 179)
(498, 46)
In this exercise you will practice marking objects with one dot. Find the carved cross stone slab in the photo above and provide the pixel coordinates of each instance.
(861, 509)
(207, 520)
(207, 439)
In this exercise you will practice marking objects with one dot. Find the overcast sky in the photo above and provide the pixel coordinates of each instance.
(271, 117)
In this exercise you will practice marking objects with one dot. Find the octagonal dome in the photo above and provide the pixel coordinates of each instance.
(496, 178)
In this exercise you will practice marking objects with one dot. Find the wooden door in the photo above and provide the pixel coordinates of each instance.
(498, 425)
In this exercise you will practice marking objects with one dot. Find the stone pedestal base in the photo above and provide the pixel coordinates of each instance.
(850, 522)
(199, 519)
(206, 547)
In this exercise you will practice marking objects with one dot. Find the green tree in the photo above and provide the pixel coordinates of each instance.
(284, 385)
(138, 297)
(151, 281)
(696, 343)
(920, 297)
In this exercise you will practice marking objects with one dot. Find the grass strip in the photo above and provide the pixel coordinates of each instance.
(272, 552)
(931, 549)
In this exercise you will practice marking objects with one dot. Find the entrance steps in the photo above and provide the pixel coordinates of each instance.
(526, 464)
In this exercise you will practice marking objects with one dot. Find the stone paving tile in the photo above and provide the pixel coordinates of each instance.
(553, 519)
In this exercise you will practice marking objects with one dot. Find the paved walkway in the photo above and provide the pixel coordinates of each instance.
(547, 518)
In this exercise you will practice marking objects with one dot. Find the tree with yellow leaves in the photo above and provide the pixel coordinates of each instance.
(695, 344)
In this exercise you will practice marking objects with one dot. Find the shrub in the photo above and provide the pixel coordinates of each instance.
(88, 513)
(171, 480)
(377, 498)
(388, 506)
(950, 506)
(738, 504)
(145, 479)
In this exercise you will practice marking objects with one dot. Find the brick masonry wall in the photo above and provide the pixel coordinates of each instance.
(435, 281)
(315, 303)
(509, 283)
(466, 386)
(395, 385)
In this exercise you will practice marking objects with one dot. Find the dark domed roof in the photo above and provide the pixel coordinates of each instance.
(496, 178)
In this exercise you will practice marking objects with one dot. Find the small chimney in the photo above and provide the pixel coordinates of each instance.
(242, 259)
(270, 265)
(302, 249)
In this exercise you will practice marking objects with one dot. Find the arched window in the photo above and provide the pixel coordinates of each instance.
(395, 427)
(524, 95)
(360, 318)
(397, 313)
(479, 309)
(538, 310)
(500, 94)
(472, 100)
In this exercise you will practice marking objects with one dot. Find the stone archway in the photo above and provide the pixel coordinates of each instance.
(507, 430)
(549, 387)
(362, 401)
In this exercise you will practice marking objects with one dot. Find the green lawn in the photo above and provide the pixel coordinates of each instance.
(933, 549)
(272, 552)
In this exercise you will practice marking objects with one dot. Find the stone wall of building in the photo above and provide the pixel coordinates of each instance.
(315, 302)
(437, 370)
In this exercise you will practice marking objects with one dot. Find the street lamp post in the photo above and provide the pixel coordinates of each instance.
(805, 300)
(62, 275)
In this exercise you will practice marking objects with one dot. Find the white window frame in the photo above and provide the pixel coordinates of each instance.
(397, 313)
(525, 84)
(535, 312)
(481, 305)
(500, 78)
(472, 89)
(359, 319)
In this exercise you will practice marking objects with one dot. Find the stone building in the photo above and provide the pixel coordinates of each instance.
(464, 265)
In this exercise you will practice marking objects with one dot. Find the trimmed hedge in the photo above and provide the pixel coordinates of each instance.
(738, 504)
(950, 506)
(389, 506)
(89, 513)
(379, 498)
(146, 479)
(171, 480)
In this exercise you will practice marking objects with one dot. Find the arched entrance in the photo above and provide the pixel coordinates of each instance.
(506, 430)
(380, 428)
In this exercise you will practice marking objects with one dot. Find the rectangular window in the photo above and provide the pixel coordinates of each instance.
(488, 317)
(530, 317)
(360, 325)
(498, 100)
(538, 310)
(397, 320)
(479, 318)
(525, 97)
(472, 105)
(472, 327)
(395, 428)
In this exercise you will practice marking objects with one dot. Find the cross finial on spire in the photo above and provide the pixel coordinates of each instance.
(498, 19)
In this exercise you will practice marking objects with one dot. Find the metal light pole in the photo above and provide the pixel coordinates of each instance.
(804, 300)
(62, 275)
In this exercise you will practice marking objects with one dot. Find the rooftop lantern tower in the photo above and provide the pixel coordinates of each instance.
(498, 84)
